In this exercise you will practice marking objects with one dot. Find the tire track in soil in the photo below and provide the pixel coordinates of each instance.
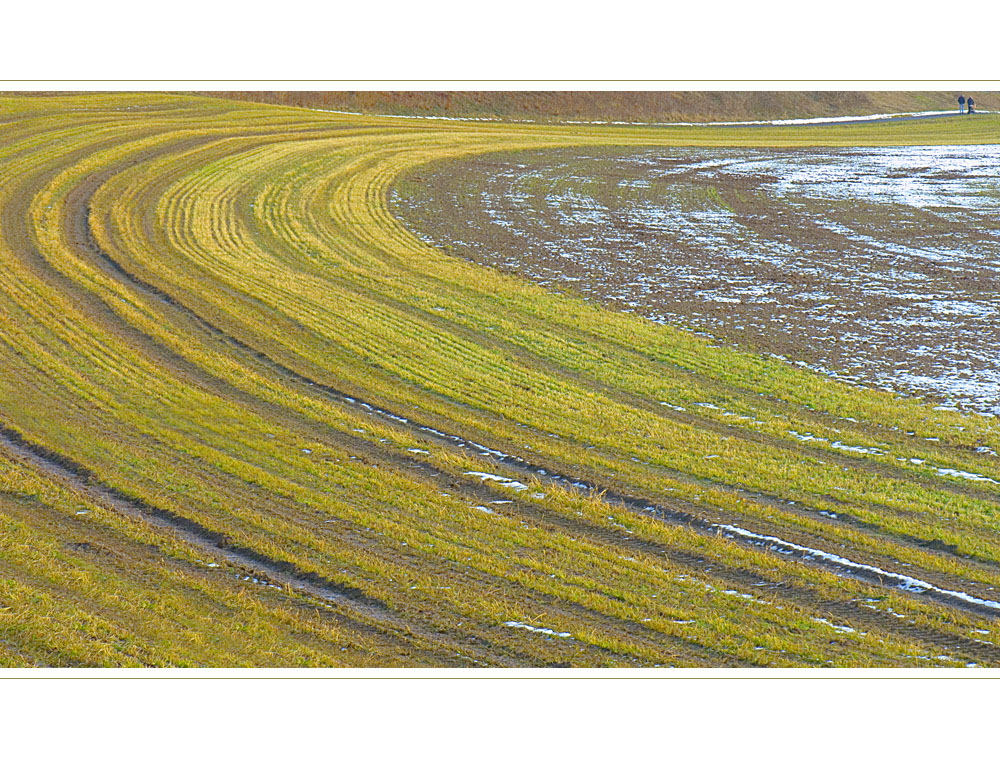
(85, 482)
(517, 464)
(373, 410)
(217, 545)
(286, 575)
(855, 614)
(350, 606)
(123, 553)
(253, 562)
(366, 450)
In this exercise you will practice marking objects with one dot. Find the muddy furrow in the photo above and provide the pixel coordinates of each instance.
(366, 449)
(216, 544)
(351, 606)
(840, 565)
(334, 596)
(95, 538)
(254, 561)
(763, 588)
(856, 569)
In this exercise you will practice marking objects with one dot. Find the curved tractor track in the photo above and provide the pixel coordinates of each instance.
(220, 346)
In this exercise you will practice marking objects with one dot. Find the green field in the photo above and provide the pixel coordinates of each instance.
(246, 420)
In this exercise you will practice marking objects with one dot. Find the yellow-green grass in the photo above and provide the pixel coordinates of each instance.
(253, 253)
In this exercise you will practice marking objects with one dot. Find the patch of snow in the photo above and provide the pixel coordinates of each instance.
(543, 630)
(901, 581)
(503, 481)
(838, 628)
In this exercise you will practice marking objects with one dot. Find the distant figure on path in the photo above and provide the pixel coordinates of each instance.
(961, 103)
(972, 105)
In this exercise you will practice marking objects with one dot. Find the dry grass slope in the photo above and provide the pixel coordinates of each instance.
(647, 107)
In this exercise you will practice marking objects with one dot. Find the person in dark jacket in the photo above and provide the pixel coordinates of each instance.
(972, 105)
(961, 103)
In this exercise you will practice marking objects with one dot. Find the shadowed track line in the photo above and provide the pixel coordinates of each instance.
(206, 538)
(82, 479)
(351, 605)
(839, 565)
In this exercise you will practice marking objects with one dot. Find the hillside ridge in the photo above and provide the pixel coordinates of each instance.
(649, 107)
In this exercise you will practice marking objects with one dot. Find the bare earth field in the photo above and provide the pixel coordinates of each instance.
(876, 265)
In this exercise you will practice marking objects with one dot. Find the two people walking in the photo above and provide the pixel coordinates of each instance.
(962, 102)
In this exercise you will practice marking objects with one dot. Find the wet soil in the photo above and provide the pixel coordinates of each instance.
(875, 265)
